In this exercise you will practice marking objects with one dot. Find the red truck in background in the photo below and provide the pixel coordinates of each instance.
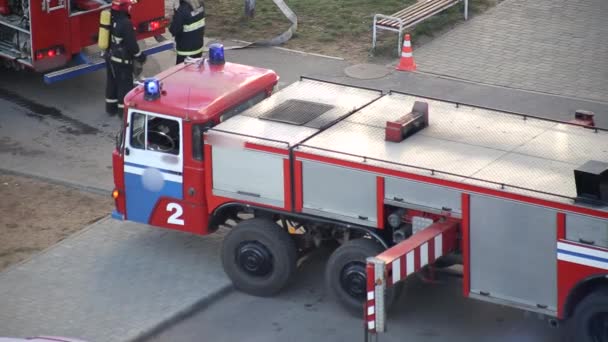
(405, 184)
(49, 36)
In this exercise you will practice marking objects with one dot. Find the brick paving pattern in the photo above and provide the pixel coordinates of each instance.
(551, 46)
(110, 283)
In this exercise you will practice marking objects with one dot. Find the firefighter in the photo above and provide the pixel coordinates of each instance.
(188, 28)
(123, 51)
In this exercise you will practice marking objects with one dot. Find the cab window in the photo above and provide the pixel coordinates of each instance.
(153, 133)
(197, 130)
(241, 107)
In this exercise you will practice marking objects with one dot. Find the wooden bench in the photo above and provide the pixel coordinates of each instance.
(412, 15)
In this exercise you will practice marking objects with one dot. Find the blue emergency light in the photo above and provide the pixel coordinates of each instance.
(151, 89)
(216, 53)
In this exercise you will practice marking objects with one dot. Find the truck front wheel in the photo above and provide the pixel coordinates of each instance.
(259, 257)
(345, 276)
(590, 320)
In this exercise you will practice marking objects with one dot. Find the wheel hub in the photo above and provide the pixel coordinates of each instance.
(598, 327)
(254, 258)
(353, 279)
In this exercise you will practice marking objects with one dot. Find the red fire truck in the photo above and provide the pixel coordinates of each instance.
(51, 35)
(404, 184)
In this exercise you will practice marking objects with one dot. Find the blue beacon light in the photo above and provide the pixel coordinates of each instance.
(151, 89)
(216, 54)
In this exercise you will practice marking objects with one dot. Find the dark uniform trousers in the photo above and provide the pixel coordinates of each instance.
(119, 83)
(119, 61)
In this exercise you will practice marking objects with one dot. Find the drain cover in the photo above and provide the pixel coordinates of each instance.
(366, 71)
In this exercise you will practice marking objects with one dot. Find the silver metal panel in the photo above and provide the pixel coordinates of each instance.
(532, 173)
(586, 229)
(339, 217)
(464, 124)
(422, 194)
(491, 145)
(418, 150)
(511, 304)
(465, 141)
(250, 173)
(263, 129)
(343, 99)
(248, 198)
(338, 190)
(513, 251)
(568, 144)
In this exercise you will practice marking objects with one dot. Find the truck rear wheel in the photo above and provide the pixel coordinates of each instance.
(259, 257)
(345, 275)
(590, 320)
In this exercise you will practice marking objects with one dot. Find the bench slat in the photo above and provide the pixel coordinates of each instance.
(410, 11)
(431, 8)
(414, 12)
(418, 5)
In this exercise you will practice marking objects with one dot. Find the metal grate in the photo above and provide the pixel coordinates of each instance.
(296, 112)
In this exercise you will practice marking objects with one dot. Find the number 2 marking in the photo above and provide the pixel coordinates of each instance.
(176, 216)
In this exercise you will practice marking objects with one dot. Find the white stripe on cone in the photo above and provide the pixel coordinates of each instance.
(406, 54)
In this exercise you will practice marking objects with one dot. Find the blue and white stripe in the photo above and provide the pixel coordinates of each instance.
(168, 175)
(582, 255)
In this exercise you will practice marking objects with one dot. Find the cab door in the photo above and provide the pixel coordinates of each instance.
(153, 167)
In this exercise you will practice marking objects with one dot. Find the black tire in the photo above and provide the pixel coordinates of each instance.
(344, 266)
(259, 257)
(590, 320)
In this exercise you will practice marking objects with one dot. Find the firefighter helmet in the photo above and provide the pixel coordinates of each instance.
(123, 5)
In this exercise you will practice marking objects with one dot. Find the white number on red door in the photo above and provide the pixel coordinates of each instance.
(176, 214)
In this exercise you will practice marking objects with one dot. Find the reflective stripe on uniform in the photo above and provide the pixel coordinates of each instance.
(194, 26)
(116, 40)
(189, 53)
(120, 105)
(111, 100)
(120, 60)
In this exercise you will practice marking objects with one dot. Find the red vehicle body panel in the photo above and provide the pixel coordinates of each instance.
(200, 93)
(72, 33)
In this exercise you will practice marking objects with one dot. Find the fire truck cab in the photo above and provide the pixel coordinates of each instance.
(158, 164)
(405, 185)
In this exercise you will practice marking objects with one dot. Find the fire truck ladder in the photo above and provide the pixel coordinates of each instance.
(399, 262)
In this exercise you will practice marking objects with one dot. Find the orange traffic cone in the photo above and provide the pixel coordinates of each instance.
(406, 63)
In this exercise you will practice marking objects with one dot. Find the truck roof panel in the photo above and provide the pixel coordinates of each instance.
(297, 112)
(468, 143)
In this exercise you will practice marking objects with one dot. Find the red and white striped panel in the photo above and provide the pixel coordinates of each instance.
(416, 259)
(421, 249)
(370, 303)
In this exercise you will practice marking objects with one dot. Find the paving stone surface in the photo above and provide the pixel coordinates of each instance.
(112, 282)
(550, 46)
